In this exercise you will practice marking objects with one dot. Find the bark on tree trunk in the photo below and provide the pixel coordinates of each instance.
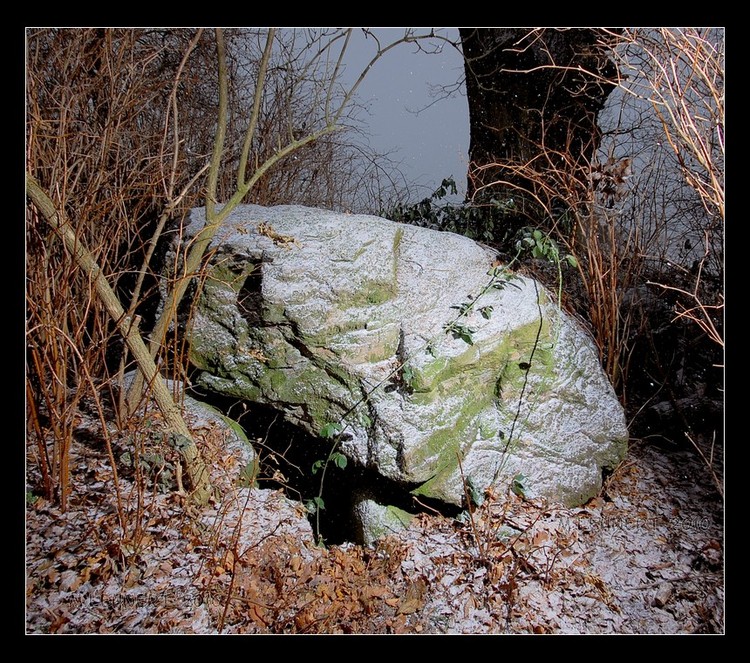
(531, 91)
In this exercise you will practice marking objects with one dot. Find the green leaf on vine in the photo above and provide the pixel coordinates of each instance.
(339, 460)
(331, 430)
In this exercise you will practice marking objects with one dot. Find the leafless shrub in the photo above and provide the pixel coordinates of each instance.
(650, 203)
(121, 128)
(93, 140)
(671, 119)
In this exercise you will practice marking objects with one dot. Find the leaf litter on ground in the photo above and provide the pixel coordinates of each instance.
(646, 556)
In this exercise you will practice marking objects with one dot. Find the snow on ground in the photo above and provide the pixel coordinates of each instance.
(646, 556)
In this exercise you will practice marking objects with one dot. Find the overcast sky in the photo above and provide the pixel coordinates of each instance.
(429, 138)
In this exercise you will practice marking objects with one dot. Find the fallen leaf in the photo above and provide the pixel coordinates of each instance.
(256, 613)
(132, 578)
(469, 605)
(327, 591)
(58, 621)
(540, 537)
(70, 581)
(414, 599)
(371, 591)
(400, 624)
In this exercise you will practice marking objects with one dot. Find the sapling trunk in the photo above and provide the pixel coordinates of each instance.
(179, 432)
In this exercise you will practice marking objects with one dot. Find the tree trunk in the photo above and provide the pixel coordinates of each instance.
(532, 92)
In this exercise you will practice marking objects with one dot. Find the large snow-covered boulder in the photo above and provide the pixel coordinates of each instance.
(446, 373)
